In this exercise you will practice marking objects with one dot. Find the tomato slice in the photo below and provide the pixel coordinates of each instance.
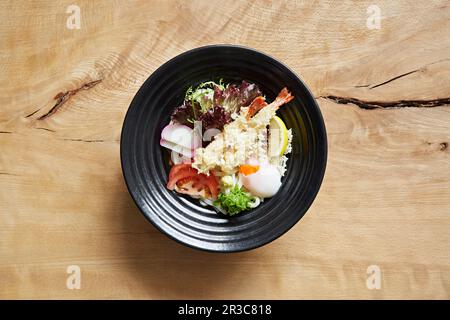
(185, 179)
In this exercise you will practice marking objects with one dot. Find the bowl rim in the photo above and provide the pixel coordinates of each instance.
(320, 127)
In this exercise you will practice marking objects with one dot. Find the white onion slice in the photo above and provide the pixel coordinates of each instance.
(176, 148)
(181, 139)
(178, 134)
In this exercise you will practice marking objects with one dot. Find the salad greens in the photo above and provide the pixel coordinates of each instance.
(203, 94)
(213, 103)
(236, 96)
(234, 201)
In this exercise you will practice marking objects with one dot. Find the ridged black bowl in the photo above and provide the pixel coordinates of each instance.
(145, 164)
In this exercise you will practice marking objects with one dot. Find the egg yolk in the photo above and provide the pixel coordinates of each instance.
(247, 169)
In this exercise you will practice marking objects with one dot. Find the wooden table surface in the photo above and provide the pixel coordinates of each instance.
(385, 200)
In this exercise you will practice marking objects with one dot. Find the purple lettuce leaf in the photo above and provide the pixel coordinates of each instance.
(236, 96)
(215, 117)
(186, 114)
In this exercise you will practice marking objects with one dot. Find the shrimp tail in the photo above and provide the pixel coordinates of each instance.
(257, 104)
(260, 102)
(283, 97)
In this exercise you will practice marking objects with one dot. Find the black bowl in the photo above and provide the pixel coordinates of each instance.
(145, 164)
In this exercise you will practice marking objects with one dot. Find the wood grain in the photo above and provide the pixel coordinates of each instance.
(385, 199)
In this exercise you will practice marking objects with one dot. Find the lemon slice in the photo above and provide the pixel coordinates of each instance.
(278, 137)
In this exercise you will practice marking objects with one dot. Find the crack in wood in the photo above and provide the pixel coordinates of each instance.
(8, 174)
(84, 140)
(27, 116)
(393, 79)
(6, 132)
(369, 105)
(90, 141)
(46, 129)
(370, 86)
(63, 97)
(400, 76)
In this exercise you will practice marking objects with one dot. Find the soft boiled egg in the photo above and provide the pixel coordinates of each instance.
(261, 180)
